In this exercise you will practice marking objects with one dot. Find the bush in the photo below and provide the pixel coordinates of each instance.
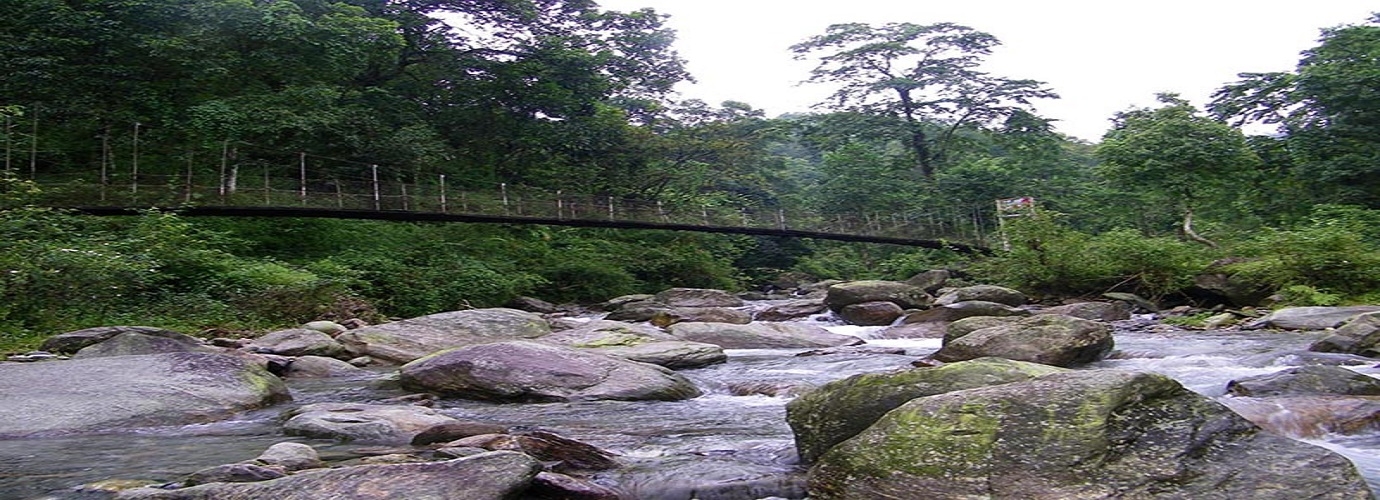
(1045, 257)
(1327, 257)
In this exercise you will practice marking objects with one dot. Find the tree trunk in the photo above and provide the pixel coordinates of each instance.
(1189, 233)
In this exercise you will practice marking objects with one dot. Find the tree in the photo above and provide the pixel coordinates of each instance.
(1327, 111)
(1173, 153)
(926, 76)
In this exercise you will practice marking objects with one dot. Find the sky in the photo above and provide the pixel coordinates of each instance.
(1100, 56)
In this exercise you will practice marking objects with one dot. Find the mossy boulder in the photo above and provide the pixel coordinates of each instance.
(1050, 339)
(1077, 434)
(856, 292)
(838, 410)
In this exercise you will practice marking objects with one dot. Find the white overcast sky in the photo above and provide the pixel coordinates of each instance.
(1101, 56)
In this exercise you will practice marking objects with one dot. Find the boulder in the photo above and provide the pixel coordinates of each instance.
(1309, 318)
(761, 335)
(841, 409)
(1077, 434)
(635, 312)
(559, 452)
(965, 309)
(319, 367)
(290, 456)
(673, 354)
(1047, 339)
(966, 326)
(913, 331)
(553, 486)
(1360, 335)
(71, 342)
(604, 333)
(451, 431)
(101, 394)
(663, 318)
(930, 281)
(530, 371)
(1096, 311)
(871, 313)
(985, 293)
(532, 304)
(793, 309)
(857, 292)
(403, 341)
(297, 342)
(697, 297)
(327, 327)
(1135, 302)
(1306, 380)
(497, 475)
(362, 423)
(137, 343)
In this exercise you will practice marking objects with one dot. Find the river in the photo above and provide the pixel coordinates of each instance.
(717, 446)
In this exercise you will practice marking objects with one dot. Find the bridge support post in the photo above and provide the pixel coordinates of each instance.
(443, 194)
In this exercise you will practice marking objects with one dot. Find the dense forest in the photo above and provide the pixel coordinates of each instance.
(561, 94)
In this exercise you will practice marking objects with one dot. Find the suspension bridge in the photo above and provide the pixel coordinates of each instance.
(435, 200)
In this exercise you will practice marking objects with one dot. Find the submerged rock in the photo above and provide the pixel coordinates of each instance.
(1077, 434)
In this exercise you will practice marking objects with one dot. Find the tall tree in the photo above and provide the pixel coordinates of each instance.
(925, 75)
(1174, 154)
(1327, 111)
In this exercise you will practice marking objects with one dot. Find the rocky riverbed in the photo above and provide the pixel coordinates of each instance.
(695, 394)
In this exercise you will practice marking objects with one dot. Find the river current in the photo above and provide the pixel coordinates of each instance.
(731, 443)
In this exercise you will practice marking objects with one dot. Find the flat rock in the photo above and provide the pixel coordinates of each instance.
(103, 394)
(761, 335)
(403, 341)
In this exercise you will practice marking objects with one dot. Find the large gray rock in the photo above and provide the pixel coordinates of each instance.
(1049, 339)
(403, 341)
(1360, 335)
(1077, 434)
(363, 423)
(101, 394)
(530, 371)
(1306, 380)
(786, 311)
(986, 293)
(1096, 311)
(297, 342)
(761, 335)
(673, 354)
(138, 343)
(841, 409)
(697, 297)
(290, 456)
(931, 281)
(857, 292)
(878, 313)
(70, 342)
(498, 475)
(964, 309)
(1310, 318)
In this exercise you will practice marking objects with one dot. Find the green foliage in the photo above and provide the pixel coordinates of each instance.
(1333, 256)
(1047, 257)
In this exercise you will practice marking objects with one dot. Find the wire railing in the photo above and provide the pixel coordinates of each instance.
(436, 196)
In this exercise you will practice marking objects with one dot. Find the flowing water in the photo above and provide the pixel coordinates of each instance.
(718, 446)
